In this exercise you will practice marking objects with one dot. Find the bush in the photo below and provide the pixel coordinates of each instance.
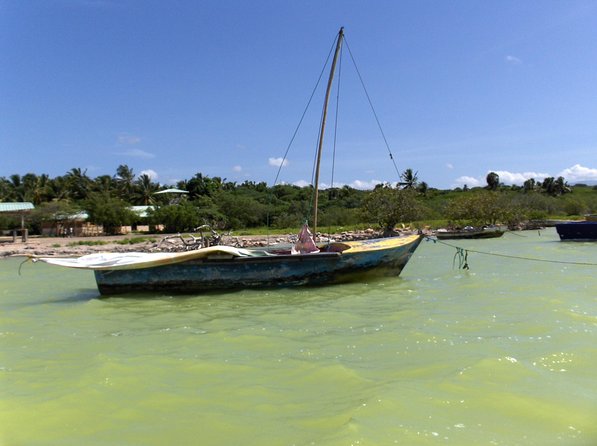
(110, 212)
(177, 217)
(388, 207)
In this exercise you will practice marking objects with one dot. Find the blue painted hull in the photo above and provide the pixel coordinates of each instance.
(257, 272)
(581, 230)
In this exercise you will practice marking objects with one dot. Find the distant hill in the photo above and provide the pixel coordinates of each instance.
(586, 183)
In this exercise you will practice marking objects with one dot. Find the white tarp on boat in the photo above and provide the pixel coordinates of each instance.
(134, 260)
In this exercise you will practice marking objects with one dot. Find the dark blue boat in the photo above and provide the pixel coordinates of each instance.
(578, 230)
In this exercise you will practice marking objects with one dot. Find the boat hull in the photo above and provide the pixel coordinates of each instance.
(579, 231)
(454, 235)
(381, 256)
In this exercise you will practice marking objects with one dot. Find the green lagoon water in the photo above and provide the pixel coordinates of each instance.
(502, 354)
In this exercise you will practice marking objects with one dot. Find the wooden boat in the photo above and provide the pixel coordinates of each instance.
(472, 233)
(577, 230)
(224, 267)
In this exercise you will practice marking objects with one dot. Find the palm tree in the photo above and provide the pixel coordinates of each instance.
(144, 189)
(79, 183)
(409, 179)
(125, 179)
(5, 189)
(37, 188)
(104, 184)
(60, 188)
(18, 190)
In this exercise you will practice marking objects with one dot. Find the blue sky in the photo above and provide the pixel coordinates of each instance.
(173, 88)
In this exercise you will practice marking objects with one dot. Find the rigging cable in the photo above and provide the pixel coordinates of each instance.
(372, 108)
(299, 126)
(304, 113)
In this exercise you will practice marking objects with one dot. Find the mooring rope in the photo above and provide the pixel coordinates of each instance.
(462, 256)
(28, 259)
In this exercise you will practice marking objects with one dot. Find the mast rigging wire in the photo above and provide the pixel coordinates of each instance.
(372, 108)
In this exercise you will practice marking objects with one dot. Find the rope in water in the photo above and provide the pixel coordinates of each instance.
(462, 256)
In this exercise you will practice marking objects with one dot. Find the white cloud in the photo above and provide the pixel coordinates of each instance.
(513, 60)
(579, 173)
(469, 181)
(301, 183)
(125, 138)
(450, 166)
(237, 168)
(356, 184)
(150, 173)
(574, 174)
(518, 178)
(277, 162)
(138, 153)
(364, 185)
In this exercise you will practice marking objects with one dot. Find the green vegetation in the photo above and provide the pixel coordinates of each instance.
(87, 243)
(136, 240)
(250, 207)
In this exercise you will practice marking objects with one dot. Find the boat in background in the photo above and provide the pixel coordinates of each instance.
(225, 267)
(578, 230)
(469, 232)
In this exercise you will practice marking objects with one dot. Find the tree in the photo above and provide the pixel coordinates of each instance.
(78, 183)
(18, 189)
(104, 184)
(422, 188)
(561, 187)
(5, 189)
(36, 188)
(240, 211)
(388, 206)
(109, 211)
(529, 185)
(144, 190)
(177, 218)
(480, 208)
(203, 185)
(124, 180)
(555, 187)
(548, 185)
(409, 179)
(493, 181)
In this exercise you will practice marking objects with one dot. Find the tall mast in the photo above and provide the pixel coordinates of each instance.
(321, 133)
